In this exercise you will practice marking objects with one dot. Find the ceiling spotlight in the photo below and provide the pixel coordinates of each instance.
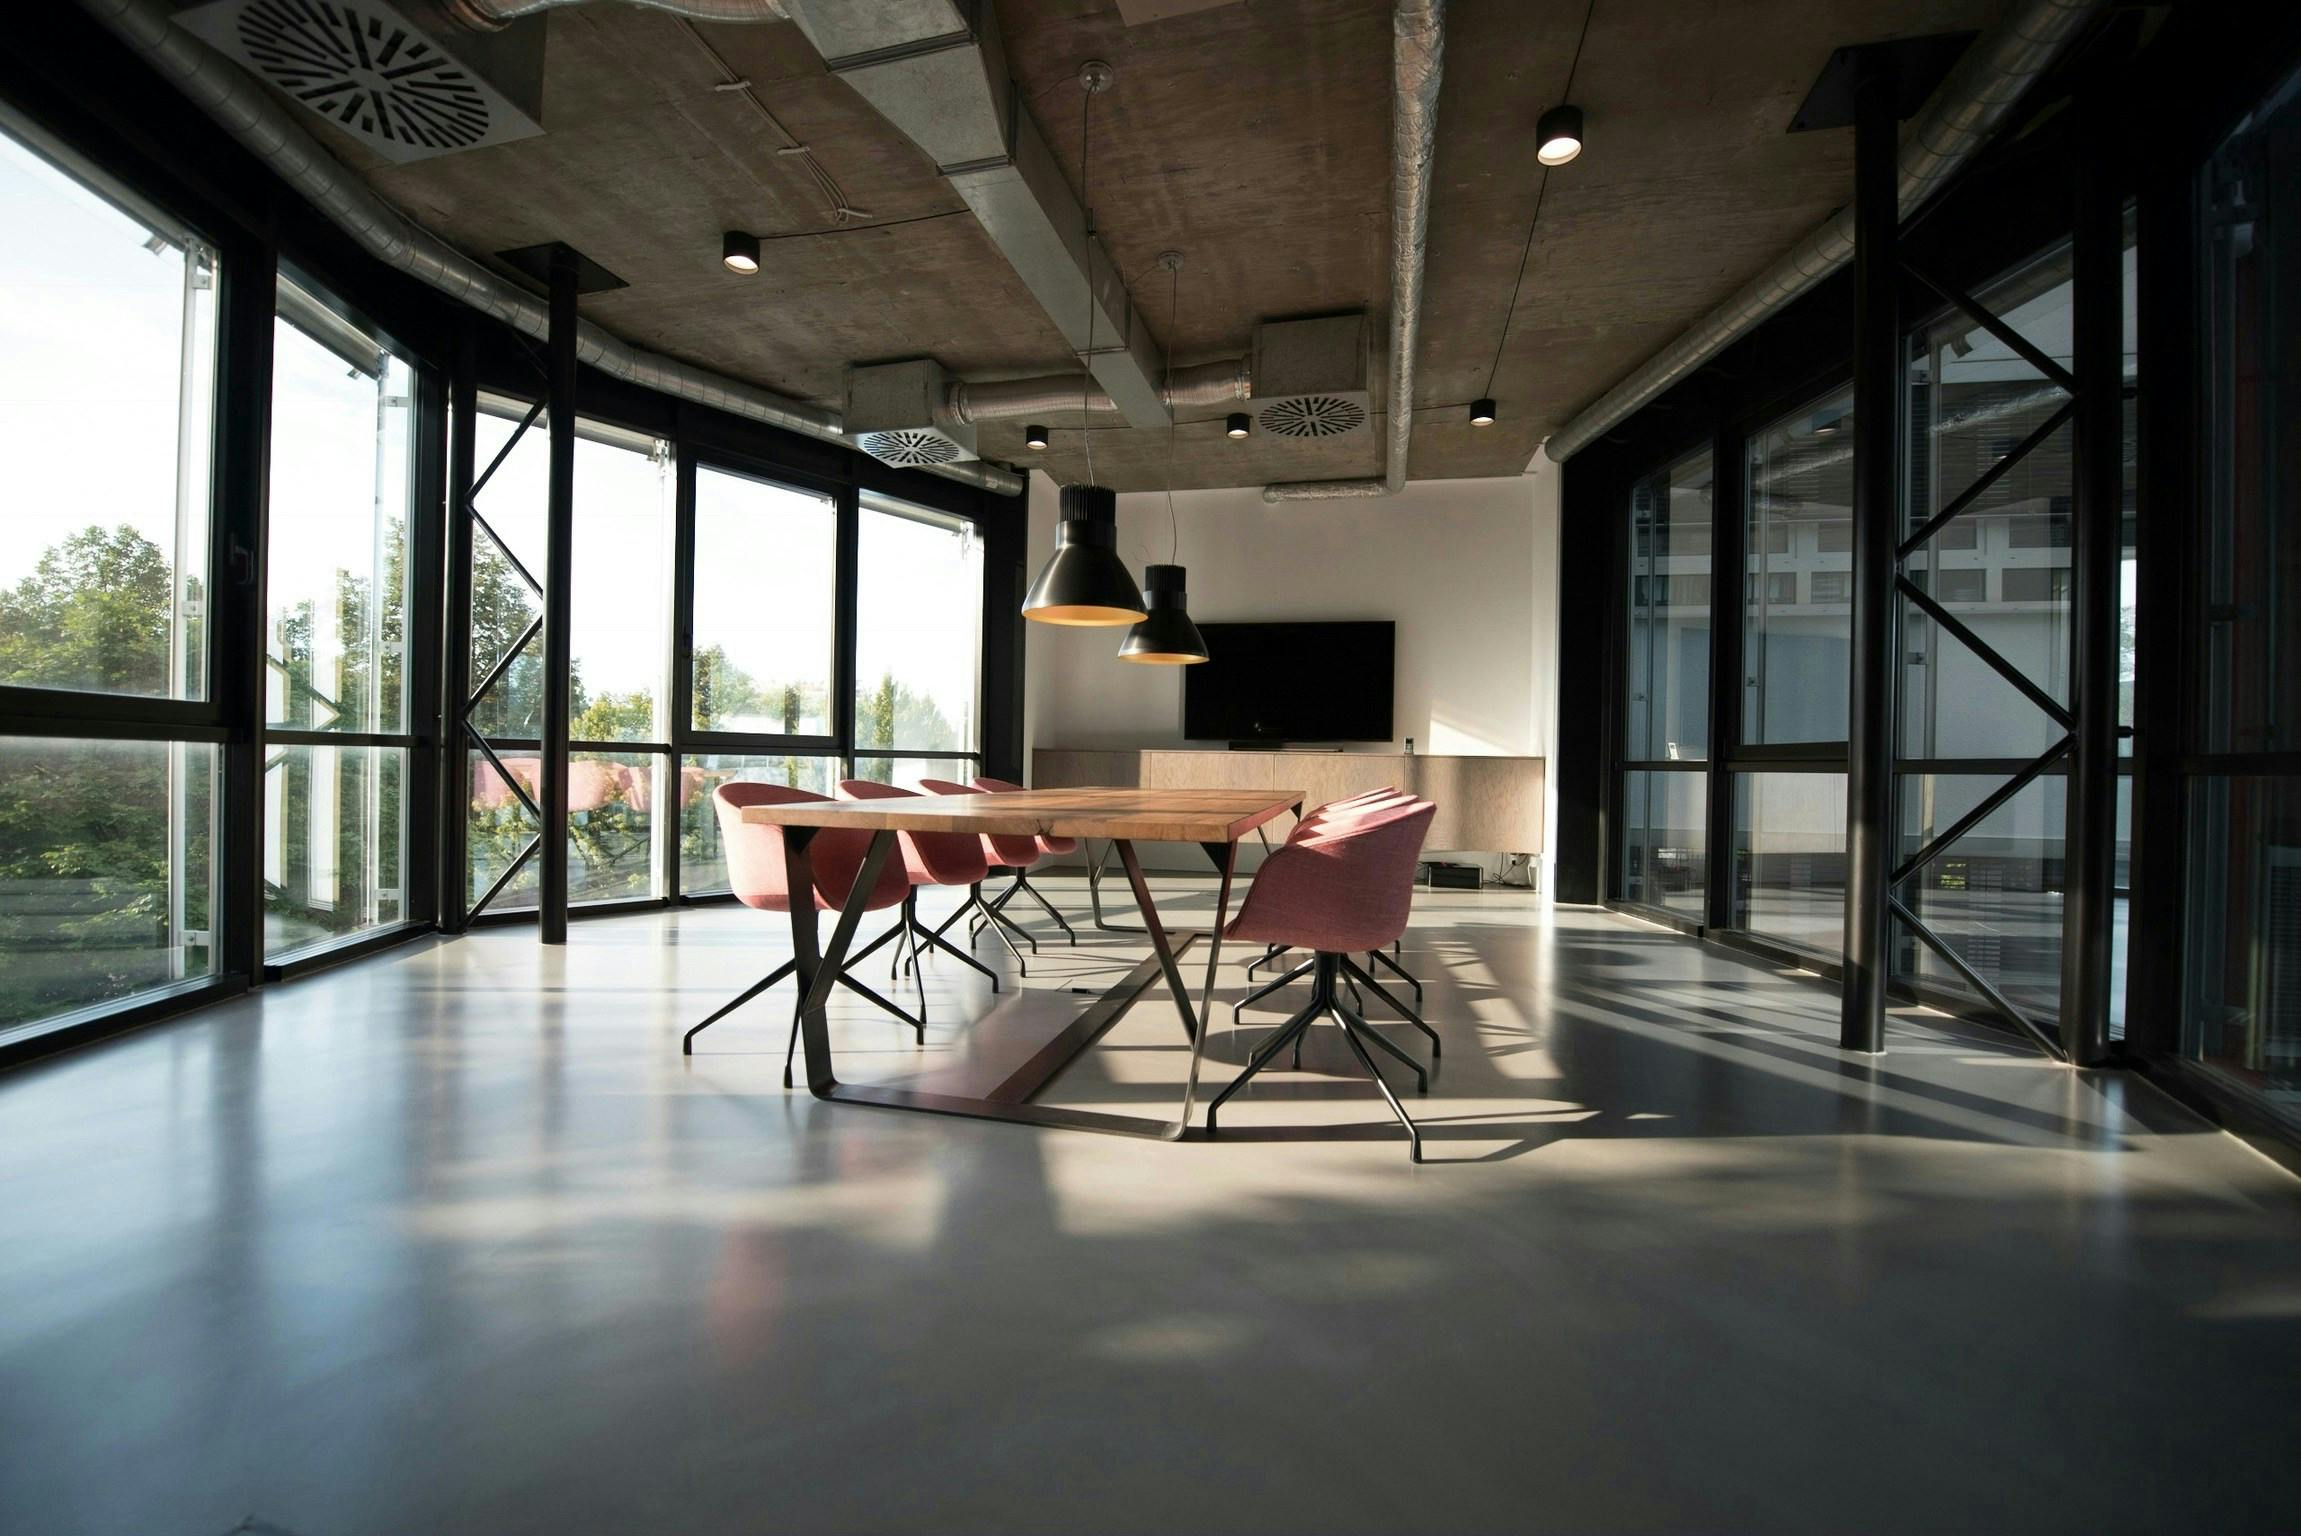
(1827, 426)
(1239, 425)
(1482, 413)
(1558, 136)
(1035, 437)
(740, 252)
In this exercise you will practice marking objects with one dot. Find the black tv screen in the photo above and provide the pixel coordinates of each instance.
(1290, 682)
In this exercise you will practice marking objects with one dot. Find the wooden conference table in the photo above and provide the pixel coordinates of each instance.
(1215, 819)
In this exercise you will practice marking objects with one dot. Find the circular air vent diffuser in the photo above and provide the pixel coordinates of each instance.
(366, 71)
(1313, 416)
(910, 448)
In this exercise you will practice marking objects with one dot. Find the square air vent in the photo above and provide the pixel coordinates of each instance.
(895, 414)
(1310, 376)
(366, 68)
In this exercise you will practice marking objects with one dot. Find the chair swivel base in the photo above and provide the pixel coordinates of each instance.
(918, 1021)
(1326, 1002)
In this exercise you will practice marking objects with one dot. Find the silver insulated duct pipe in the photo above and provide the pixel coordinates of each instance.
(494, 15)
(1417, 65)
(1967, 108)
(247, 112)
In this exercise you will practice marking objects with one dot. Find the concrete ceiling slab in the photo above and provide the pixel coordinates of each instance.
(1251, 136)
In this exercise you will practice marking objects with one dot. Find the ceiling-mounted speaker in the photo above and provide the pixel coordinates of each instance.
(1310, 376)
(896, 414)
(377, 71)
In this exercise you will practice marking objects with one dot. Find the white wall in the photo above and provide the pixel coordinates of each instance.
(1467, 570)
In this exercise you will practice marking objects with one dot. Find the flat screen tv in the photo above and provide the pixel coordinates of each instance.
(1273, 683)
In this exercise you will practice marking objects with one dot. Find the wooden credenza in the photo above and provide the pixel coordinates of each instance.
(1485, 804)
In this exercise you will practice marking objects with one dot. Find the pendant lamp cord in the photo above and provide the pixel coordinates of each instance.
(1173, 329)
(1087, 253)
(1541, 191)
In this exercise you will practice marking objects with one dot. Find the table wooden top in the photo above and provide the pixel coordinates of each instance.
(1143, 815)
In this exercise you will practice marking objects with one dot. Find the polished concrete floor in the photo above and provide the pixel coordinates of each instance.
(455, 1240)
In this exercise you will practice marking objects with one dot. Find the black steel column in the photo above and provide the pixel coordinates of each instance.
(1729, 558)
(455, 644)
(1877, 530)
(2089, 855)
(246, 315)
(558, 588)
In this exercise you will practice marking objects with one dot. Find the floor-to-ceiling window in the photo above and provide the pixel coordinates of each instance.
(337, 732)
(2241, 1003)
(918, 644)
(1789, 836)
(764, 662)
(109, 772)
(619, 754)
(1666, 698)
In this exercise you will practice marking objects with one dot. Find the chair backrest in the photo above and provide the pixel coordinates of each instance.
(1354, 805)
(989, 785)
(755, 868)
(1345, 885)
(937, 858)
(1007, 850)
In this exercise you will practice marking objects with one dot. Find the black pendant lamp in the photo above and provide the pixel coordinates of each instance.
(1165, 636)
(1086, 583)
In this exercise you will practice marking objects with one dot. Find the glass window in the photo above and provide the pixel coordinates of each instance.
(1668, 675)
(106, 872)
(766, 576)
(2249, 689)
(611, 853)
(1995, 895)
(1800, 472)
(702, 863)
(1790, 858)
(1831, 586)
(107, 402)
(906, 772)
(621, 635)
(507, 570)
(335, 575)
(918, 630)
(335, 833)
(1665, 857)
(2241, 1015)
(335, 818)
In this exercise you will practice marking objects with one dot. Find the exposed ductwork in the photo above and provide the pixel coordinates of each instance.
(1418, 64)
(249, 114)
(493, 15)
(1967, 108)
(1202, 387)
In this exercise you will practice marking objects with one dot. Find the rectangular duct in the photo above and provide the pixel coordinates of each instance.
(1311, 376)
(895, 414)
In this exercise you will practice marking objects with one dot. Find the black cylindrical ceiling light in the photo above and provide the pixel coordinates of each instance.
(1085, 582)
(1035, 438)
(1482, 413)
(1239, 424)
(739, 252)
(1164, 636)
(1558, 136)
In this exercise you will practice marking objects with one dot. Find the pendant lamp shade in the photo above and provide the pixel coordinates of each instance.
(1086, 583)
(1166, 636)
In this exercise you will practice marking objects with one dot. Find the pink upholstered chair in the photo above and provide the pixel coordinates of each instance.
(759, 878)
(1354, 805)
(1345, 885)
(1048, 847)
(1015, 852)
(931, 858)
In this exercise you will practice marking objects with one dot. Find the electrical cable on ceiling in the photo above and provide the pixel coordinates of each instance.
(1173, 329)
(836, 207)
(1087, 250)
(1541, 191)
